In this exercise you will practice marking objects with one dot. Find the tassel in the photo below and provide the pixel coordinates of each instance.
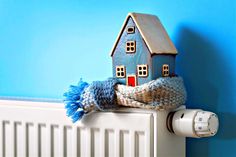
(73, 99)
(77, 115)
(75, 92)
(71, 109)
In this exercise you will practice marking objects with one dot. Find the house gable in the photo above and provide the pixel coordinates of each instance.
(131, 60)
(152, 32)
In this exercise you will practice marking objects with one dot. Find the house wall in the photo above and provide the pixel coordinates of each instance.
(130, 61)
(158, 61)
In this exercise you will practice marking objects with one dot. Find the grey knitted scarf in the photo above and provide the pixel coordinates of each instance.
(160, 94)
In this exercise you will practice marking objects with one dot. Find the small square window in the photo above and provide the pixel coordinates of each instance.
(120, 71)
(130, 46)
(130, 30)
(165, 70)
(142, 70)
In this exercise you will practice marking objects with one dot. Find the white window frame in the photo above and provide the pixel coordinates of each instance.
(165, 70)
(128, 29)
(119, 70)
(130, 46)
(142, 70)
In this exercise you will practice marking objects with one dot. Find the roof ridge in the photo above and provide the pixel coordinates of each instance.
(158, 41)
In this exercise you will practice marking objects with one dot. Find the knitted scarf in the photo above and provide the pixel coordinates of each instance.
(160, 94)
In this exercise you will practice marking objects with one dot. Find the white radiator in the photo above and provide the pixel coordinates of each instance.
(41, 129)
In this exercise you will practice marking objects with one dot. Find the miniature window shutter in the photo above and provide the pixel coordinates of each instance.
(142, 70)
(130, 46)
(120, 71)
(165, 70)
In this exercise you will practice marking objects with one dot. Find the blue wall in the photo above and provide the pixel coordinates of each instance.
(45, 46)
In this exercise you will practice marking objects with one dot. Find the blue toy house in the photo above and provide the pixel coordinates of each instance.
(143, 51)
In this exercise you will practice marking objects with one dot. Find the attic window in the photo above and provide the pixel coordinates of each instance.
(142, 70)
(165, 70)
(130, 46)
(130, 30)
(120, 71)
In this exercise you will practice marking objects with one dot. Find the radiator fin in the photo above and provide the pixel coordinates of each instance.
(46, 132)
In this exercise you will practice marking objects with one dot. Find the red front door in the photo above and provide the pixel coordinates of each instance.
(131, 81)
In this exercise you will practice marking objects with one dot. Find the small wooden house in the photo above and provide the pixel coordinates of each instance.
(143, 51)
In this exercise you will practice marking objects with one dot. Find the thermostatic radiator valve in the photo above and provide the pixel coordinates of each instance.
(193, 123)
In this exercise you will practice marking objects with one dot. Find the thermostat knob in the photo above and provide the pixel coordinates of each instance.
(206, 124)
(192, 123)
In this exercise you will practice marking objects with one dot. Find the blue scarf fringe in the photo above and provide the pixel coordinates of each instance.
(73, 99)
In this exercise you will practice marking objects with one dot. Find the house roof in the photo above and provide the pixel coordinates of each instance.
(152, 32)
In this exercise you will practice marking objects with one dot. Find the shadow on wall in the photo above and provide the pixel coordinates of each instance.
(204, 70)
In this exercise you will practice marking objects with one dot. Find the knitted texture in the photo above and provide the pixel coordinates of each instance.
(101, 94)
(84, 98)
(162, 93)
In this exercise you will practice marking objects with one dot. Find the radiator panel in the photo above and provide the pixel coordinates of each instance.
(42, 129)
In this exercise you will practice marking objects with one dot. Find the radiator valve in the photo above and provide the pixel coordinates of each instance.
(193, 123)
